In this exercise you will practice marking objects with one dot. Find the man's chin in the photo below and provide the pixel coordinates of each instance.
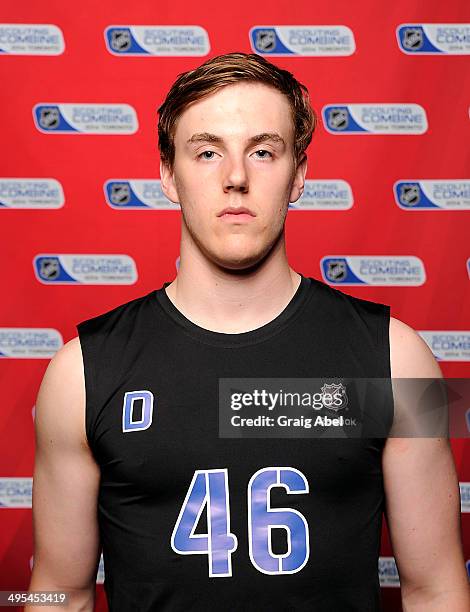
(242, 262)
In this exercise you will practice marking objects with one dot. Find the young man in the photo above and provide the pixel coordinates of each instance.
(129, 455)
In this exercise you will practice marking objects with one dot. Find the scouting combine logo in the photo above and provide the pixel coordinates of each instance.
(375, 119)
(373, 270)
(30, 39)
(85, 269)
(448, 345)
(324, 195)
(137, 194)
(29, 342)
(30, 193)
(157, 40)
(85, 118)
(432, 38)
(432, 195)
(305, 40)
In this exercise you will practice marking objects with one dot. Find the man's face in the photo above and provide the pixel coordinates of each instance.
(234, 148)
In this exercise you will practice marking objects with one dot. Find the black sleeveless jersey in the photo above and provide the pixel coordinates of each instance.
(191, 520)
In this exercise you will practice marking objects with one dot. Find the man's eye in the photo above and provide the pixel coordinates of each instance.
(204, 153)
(264, 151)
(265, 154)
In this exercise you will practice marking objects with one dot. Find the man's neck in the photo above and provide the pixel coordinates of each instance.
(233, 303)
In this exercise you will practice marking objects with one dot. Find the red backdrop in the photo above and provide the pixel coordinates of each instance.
(377, 69)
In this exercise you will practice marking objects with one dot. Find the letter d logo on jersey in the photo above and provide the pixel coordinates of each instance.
(129, 422)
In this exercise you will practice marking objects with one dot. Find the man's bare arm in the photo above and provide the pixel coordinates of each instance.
(422, 498)
(65, 486)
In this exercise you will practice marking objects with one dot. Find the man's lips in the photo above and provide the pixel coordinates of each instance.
(237, 218)
(234, 211)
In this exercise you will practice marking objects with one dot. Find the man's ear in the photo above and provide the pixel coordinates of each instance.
(299, 179)
(167, 183)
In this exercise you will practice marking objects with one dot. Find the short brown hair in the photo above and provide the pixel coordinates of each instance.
(227, 69)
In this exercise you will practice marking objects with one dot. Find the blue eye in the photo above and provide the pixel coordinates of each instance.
(204, 152)
(264, 151)
(210, 154)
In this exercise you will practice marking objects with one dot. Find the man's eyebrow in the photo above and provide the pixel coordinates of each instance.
(264, 137)
(204, 137)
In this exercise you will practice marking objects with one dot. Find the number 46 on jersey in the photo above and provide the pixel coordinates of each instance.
(210, 487)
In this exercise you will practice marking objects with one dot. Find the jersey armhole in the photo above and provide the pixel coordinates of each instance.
(384, 339)
(384, 335)
(90, 383)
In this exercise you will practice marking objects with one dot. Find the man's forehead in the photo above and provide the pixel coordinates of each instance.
(245, 113)
(242, 90)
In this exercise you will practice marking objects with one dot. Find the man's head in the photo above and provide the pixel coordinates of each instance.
(233, 132)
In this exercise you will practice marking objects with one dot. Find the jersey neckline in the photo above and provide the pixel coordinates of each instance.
(294, 307)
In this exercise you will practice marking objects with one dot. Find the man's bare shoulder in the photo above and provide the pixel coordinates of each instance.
(70, 352)
(410, 356)
(63, 389)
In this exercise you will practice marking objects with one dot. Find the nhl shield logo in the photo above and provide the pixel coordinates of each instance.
(49, 268)
(120, 40)
(409, 195)
(332, 390)
(338, 119)
(49, 117)
(120, 193)
(336, 270)
(265, 40)
(412, 39)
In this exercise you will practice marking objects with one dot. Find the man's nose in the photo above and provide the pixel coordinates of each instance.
(236, 176)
